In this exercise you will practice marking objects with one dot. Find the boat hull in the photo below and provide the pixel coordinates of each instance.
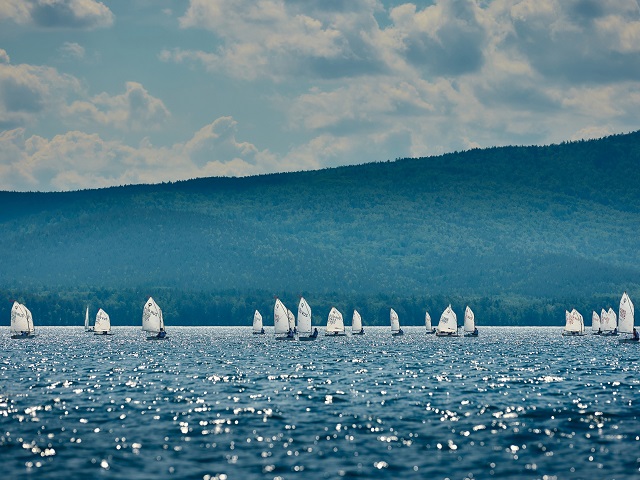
(102, 333)
(628, 340)
(20, 337)
(447, 334)
(358, 333)
(155, 337)
(397, 334)
(337, 334)
(307, 338)
(259, 333)
(573, 334)
(470, 334)
(430, 332)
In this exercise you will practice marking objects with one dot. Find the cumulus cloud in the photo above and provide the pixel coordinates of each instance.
(72, 50)
(134, 109)
(26, 91)
(76, 160)
(83, 14)
(276, 38)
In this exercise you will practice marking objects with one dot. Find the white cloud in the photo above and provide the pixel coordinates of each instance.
(4, 57)
(84, 14)
(134, 109)
(72, 51)
(76, 160)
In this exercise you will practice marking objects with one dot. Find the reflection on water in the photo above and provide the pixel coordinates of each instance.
(222, 403)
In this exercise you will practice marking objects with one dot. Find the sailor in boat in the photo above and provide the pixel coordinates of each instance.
(290, 334)
(475, 331)
(295, 330)
(400, 331)
(636, 337)
(162, 333)
(615, 331)
(262, 330)
(315, 333)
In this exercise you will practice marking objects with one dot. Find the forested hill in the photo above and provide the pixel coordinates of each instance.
(521, 233)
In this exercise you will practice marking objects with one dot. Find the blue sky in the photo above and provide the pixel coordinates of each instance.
(95, 94)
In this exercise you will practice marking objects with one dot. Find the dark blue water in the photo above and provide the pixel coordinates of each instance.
(220, 402)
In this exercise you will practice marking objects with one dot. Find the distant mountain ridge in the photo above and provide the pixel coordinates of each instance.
(529, 226)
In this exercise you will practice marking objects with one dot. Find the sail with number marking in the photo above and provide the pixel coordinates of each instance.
(103, 322)
(626, 315)
(448, 325)
(257, 322)
(595, 322)
(394, 320)
(152, 320)
(335, 323)
(304, 317)
(469, 320)
(280, 318)
(20, 322)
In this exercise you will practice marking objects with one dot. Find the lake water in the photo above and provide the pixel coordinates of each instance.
(214, 402)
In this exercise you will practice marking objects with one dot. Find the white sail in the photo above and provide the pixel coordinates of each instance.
(19, 319)
(86, 319)
(427, 322)
(152, 320)
(29, 320)
(469, 320)
(356, 322)
(448, 324)
(573, 322)
(257, 322)
(304, 317)
(626, 314)
(595, 321)
(604, 321)
(395, 322)
(613, 318)
(280, 317)
(291, 319)
(103, 322)
(335, 323)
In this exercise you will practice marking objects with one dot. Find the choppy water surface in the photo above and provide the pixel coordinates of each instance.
(220, 402)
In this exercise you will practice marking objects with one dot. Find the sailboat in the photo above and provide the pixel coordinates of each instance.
(152, 321)
(21, 322)
(356, 324)
(626, 318)
(103, 324)
(427, 324)
(595, 324)
(87, 327)
(448, 326)
(258, 329)
(304, 322)
(611, 327)
(292, 321)
(335, 324)
(396, 331)
(574, 324)
(470, 329)
(281, 322)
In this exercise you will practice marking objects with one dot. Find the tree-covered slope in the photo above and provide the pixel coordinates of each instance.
(534, 226)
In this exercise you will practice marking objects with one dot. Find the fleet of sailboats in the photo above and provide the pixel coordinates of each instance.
(286, 326)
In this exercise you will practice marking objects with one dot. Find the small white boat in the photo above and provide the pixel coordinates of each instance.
(335, 324)
(396, 331)
(448, 325)
(21, 322)
(305, 332)
(87, 326)
(281, 322)
(258, 329)
(574, 324)
(427, 324)
(610, 326)
(470, 329)
(596, 329)
(356, 324)
(103, 324)
(626, 319)
(152, 321)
